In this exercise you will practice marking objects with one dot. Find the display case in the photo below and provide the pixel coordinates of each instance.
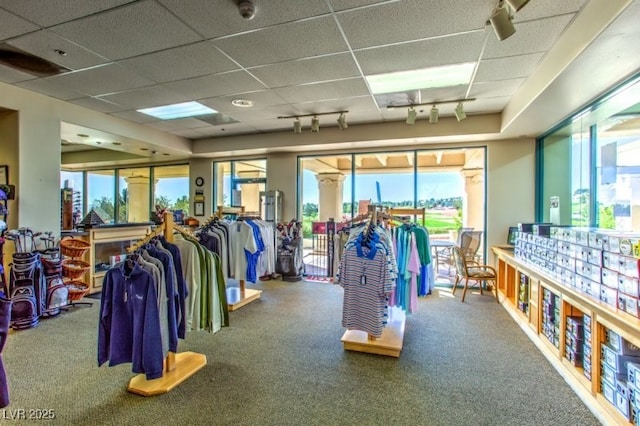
(586, 338)
(107, 243)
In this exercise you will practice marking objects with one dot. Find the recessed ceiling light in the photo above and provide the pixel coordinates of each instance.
(82, 135)
(60, 52)
(181, 110)
(242, 103)
(98, 143)
(444, 76)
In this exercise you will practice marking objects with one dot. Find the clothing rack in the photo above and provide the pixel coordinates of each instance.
(240, 296)
(408, 212)
(178, 367)
(391, 340)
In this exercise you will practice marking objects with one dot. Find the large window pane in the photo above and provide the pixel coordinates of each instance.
(75, 182)
(172, 188)
(134, 195)
(385, 179)
(101, 187)
(618, 171)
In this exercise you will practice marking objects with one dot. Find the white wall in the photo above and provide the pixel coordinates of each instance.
(282, 169)
(510, 187)
(201, 167)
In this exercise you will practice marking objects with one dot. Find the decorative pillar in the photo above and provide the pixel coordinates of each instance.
(330, 191)
(634, 204)
(138, 198)
(473, 200)
(220, 188)
(250, 191)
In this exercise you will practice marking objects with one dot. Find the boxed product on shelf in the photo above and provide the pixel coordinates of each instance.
(628, 304)
(633, 375)
(575, 358)
(575, 326)
(610, 375)
(586, 367)
(596, 239)
(609, 278)
(630, 246)
(573, 342)
(586, 320)
(629, 266)
(586, 349)
(594, 256)
(611, 261)
(541, 229)
(619, 344)
(628, 285)
(608, 391)
(587, 335)
(622, 405)
(617, 361)
(609, 296)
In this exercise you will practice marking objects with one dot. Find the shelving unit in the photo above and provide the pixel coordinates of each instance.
(389, 344)
(598, 320)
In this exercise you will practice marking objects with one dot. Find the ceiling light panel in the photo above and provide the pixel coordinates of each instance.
(181, 110)
(444, 76)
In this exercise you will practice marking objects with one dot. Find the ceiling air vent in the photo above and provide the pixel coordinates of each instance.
(26, 62)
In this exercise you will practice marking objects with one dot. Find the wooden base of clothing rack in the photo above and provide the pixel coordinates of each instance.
(388, 344)
(178, 367)
(237, 297)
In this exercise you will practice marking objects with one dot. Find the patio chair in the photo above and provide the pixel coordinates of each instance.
(470, 270)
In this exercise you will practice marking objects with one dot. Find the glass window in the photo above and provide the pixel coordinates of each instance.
(592, 165)
(172, 188)
(75, 182)
(101, 187)
(134, 195)
(239, 183)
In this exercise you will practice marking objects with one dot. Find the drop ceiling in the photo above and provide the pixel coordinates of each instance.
(293, 58)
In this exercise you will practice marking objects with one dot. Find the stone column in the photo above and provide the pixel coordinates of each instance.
(330, 192)
(635, 203)
(473, 200)
(138, 202)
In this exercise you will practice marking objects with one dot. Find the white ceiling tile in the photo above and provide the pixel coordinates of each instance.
(216, 85)
(49, 88)
(284, 42)
(44, 44)
(13, 25)
(51, 12)
(146, 97)
(422, 54)
(101, 80)
(178, 124)
(530, 37)
(135, 116)
(214, 18)
(545, 8)
(307, 70)
(182, 62)
(134, 29)
(350, 4)
(494, 89)
(486, 105)
(412, 19)
(261, 99)
(98, 104)
(346, 104)
(506, 68)
(188, 133)
(12, 75)
(324, 91)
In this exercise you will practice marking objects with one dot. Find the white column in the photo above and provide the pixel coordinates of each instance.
(250, 191)
(473, 199)
(138, 198)
(330, 192)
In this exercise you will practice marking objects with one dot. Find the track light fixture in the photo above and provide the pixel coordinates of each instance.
(315, 121)
(433, 115)
(411, 116)
(315, 124)
(459, 112)
(516, 5)
(342, 121)
(501, 22)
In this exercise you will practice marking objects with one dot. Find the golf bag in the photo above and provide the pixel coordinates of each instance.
(27, 290)
(57, 294)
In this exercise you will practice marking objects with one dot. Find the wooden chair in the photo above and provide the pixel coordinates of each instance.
(470, 270)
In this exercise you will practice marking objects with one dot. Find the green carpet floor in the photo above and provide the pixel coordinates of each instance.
(281, 362)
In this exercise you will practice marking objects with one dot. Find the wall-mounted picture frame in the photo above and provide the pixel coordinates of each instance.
(198, 208)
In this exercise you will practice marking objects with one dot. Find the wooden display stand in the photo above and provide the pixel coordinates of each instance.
(389, 344)
(178, 367)
(408, 212)
(237, 297)
(572, 303)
